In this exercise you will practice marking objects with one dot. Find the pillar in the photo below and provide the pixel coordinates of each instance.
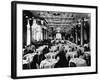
(76, 39)
(43, 33)
(28, 33)
(82, 30)
(46, 35)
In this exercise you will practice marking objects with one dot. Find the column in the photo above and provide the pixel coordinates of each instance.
(85, 33)
(28, 33)
(73, 35)
(76, 35)
(43, 33)
(46, 35)
(82, 25)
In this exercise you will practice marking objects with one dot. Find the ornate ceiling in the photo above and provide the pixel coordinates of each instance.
(62, 20)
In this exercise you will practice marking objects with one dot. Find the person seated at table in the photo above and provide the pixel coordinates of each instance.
(87, 57)
(35, 62)
(49, 62)
(39, 57)
(29, 49)
(63, 61)
(72, 64)
(28, 59)
(78, 62)
(86, 47)
(72, 54)
(66, 47)
(79, 52)
(43, 52)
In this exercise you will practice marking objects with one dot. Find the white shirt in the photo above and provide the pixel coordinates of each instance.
(78, 61)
